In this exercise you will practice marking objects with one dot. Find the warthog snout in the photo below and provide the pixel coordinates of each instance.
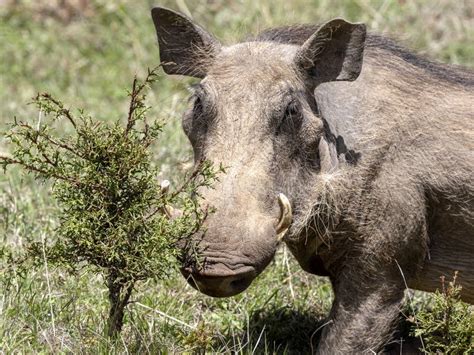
(227, 272)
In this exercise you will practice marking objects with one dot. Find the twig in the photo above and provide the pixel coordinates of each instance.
(258, 340)
(410, 303)
(285, 259)
(317, 330)
(165, 315)
(188, 180)
(61, 145)
(48, 283)
(135, 100)
(40, 115)
(133, 105)
(48, 138)
(62, 110)
(8, 160)
(48, 160)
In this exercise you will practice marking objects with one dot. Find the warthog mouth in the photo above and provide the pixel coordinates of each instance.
(216, 283)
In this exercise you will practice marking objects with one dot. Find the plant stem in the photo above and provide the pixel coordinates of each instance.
(119, 296)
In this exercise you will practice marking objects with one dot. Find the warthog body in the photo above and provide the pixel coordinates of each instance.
(372, 145)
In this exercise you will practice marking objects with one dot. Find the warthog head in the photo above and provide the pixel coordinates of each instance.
(254, 112)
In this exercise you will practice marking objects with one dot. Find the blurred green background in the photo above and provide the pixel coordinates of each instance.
(86, 52)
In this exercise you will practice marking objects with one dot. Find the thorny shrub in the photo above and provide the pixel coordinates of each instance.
(114, 215)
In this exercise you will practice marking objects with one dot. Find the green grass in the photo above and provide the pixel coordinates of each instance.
(89, 61)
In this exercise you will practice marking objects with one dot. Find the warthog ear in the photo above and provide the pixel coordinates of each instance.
(185, 48)
(334, 51)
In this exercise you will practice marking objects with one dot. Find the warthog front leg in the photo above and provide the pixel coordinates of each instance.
(385, 249)
(363, 316)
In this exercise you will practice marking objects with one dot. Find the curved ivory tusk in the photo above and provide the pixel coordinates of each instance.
(286, 215)
(165, 186)
(328, 156)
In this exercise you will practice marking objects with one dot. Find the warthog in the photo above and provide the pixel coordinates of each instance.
(355, 152)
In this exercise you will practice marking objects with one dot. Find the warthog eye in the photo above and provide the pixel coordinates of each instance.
(203, 109)
(292, 110)
(196, 99)
(291, 118)
(197, 105)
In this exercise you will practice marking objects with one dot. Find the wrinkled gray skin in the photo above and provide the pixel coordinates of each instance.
(372, 145)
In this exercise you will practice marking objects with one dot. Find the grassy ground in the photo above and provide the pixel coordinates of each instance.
(88, 59)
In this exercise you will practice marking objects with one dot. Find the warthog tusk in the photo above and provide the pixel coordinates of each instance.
(286, 215)
(165, 186)
(168, 210)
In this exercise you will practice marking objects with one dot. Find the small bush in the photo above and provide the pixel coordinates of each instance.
(114, 216)
(447, 325)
